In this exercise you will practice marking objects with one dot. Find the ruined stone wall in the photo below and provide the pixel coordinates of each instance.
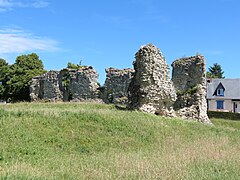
(35, 88)
(46, 87)
(151, 89)
(49, 86)
(189, 78)
(79, 84)
(68, 84)
(116, 85)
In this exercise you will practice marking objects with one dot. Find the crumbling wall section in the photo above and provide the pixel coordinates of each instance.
(83, 84)
(67, 85)
(49, 86)
(35, 88)
(46, 87)
(189, 78)
(116, 85)
(151, 89)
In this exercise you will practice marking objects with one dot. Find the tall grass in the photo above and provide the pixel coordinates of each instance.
(97, 141)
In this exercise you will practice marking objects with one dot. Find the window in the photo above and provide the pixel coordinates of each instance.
(220, 104)
(220, 92)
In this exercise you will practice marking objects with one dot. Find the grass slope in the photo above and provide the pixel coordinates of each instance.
(96, 141)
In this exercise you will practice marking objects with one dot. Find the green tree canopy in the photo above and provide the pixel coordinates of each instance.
(4, 68)
(16, 77)
(29, 62)
(215, 71)
(3, 62)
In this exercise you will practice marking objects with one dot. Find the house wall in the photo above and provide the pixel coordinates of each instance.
(228, 105)
(237, 108)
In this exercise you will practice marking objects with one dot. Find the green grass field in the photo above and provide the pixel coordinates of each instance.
(97, 141)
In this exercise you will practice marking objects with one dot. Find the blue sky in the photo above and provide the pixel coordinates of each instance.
(108, 33)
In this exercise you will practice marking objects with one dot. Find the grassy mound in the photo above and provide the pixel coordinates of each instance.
(96, 141)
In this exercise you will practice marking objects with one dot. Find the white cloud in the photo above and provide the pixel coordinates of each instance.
(6, 5)
(40, 4)
(18, 41)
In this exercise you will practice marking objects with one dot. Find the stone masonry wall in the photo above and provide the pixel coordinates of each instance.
(34, 88)
(151, 89)
(49, 86)
(79, 84)
(116, 85)
(67, 85)
(189, 78)
(46, 87)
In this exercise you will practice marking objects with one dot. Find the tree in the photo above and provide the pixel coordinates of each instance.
(3, 62)
(29, 62)
(215, 71)
(19, 75)
(4, 68)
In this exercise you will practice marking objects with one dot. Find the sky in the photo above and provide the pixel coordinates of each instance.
(108, 33)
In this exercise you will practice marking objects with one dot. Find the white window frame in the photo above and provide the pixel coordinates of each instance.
(220, 92)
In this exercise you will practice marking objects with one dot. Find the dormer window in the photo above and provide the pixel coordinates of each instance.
(220, 90)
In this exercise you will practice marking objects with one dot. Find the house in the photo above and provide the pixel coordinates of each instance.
(223, 95)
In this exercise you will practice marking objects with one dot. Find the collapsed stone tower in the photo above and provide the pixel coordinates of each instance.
(116, 85)
(189, 78)
(151, 89)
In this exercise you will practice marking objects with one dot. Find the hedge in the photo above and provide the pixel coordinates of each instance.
(224, 115)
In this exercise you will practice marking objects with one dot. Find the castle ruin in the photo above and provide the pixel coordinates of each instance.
(148, 87)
